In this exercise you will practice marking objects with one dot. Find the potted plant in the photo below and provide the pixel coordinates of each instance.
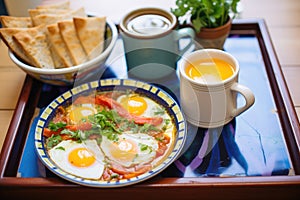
(211, 19)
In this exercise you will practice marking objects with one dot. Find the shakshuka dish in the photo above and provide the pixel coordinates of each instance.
(109, 135)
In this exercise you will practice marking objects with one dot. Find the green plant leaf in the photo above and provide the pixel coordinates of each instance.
(205, 13)
(197, 24)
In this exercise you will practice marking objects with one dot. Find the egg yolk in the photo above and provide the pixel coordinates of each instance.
(134, 105)
(125, 150)
(79, 113)
(81, 157)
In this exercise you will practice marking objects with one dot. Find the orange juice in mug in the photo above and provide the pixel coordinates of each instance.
(209, 86)
(209, 70)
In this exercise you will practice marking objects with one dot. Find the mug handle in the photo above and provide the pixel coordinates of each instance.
(247, 94)
(185, 32)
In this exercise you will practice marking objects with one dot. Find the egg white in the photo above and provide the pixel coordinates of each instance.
(146, 147)
(59, 154)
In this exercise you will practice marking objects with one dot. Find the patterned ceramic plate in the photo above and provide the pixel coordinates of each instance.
(150, 91)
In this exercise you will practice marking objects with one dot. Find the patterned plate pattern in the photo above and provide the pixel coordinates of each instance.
(151, 91)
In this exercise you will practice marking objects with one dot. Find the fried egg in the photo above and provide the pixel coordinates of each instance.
(80, 159)
(130, 149)
(80, 112)
(140, 105)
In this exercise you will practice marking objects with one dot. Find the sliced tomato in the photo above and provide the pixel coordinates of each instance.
(148, 120)
(112, 104)
(130, 175)
(48, 133)
(84, 100)
(165, 139)
(66, 137)
(83, 126)
(161, 149)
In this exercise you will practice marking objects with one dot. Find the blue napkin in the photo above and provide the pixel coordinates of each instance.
(30, 165)
(215, 152)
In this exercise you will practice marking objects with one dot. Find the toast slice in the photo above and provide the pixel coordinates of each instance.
(35, 45)
(15, 22)
(48, 19)
(90, 31)
(7, 36)
(58, 45)
(35, 12)
(80, 12)
(58, 63)
(69, 35)
(61, 5)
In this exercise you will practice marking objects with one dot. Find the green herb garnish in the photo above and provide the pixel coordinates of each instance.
(143, 147)
(56, 126)
(159, 111)
(53, 141)
(60, 148)
(148, 127)
(73, 134)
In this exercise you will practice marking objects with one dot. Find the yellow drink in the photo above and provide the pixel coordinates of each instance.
(209, 70)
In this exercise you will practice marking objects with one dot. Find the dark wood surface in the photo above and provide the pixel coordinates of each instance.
(275, 187)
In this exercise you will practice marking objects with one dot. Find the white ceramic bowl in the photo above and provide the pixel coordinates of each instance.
(67, 76)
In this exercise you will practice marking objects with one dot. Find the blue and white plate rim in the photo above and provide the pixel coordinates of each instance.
(150, 90)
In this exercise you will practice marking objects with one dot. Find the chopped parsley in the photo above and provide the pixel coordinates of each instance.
(143, 147)
(56, 126)
(73, 134)
(159, 111)
(53, 141)
(60, 148)
(148, 127)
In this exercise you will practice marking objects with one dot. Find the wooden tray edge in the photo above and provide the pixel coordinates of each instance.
(237, 182)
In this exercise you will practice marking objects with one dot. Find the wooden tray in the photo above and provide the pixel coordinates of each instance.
(234, 187)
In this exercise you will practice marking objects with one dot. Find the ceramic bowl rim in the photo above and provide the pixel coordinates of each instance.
(76, 68)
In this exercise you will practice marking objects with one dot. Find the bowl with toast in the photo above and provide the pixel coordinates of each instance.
(58, 45)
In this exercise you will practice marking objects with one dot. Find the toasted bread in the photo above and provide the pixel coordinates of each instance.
(69, 35)
(48, 19)
(15, 22)
(58, 63)
(7, 36)
(35, 12)
(58, 45)
(34, 43)
(80, 12)
(54, 36)
(90, 31)
(60, 5)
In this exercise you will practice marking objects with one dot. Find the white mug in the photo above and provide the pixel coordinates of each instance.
(211, 104)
